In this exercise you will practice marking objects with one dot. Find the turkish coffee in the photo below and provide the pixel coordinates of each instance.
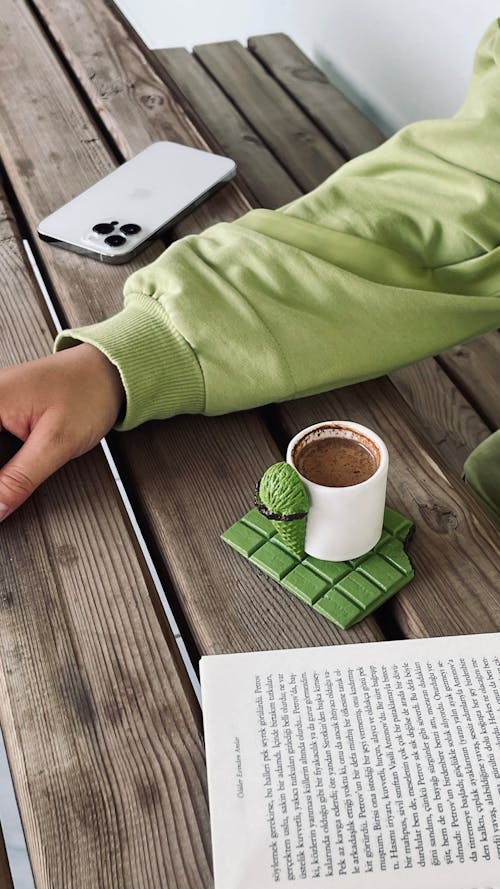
(337, 461)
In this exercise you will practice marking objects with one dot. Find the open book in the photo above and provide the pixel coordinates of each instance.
(367, 766)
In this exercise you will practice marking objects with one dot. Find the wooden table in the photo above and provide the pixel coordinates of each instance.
(101, 724)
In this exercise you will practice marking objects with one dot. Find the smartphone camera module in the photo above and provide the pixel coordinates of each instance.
(110, 234)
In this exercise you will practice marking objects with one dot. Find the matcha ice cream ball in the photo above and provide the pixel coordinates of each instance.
(282, 497)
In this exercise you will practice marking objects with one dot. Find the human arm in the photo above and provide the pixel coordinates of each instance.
(391, 259)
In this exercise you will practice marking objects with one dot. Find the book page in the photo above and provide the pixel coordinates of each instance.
(359, 766)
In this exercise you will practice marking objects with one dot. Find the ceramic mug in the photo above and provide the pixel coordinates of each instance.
(343, 523)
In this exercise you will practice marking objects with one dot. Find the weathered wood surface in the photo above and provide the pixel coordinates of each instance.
(266, 181)
(123, 86)
(5, 876)
(281, 124)
(448, 419)
(101, 725)
(100, 668)
(68, 155)
(228, 604)
(475, 367)
(341, 121)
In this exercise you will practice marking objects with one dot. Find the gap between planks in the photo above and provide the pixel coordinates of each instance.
(190, 668)
(71, 700)
(5, 874)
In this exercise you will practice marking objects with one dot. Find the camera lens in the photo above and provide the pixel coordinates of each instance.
(103, 228)
(130, 228)
(114, 240)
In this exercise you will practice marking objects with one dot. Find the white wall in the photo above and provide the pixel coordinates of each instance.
(398, 60)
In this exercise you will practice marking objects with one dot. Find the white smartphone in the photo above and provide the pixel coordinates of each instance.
(118, 216)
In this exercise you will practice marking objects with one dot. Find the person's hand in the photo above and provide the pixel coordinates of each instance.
(60, 407)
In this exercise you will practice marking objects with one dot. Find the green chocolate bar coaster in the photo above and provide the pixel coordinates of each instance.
(343, 592)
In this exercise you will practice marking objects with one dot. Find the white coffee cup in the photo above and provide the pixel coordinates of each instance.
(343, 523)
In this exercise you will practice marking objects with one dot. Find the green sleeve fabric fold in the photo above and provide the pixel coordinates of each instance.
(393, 258)
(482, 473)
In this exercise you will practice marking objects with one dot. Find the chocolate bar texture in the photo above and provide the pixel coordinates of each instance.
(343, 592)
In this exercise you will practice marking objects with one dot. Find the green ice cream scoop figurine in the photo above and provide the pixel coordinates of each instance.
(280, 495)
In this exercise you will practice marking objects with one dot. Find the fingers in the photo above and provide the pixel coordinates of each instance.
(43, 452)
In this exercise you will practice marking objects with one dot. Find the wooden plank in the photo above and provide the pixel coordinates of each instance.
(122, 85)
(343, 124)
(475, 367)
(200, 97)
(456, 549)
(122, 77)
(290, 134)
(100, 722)
(228, 604)
(5, 875)
(49, 174)
(443, 413)
(267, 183)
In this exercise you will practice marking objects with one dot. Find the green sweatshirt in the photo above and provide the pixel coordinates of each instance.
(393, 258)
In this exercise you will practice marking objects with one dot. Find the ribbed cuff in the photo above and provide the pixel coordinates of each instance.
(159, 370)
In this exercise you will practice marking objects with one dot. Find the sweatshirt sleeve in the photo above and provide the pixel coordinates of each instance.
(391, 259)
(482, 474)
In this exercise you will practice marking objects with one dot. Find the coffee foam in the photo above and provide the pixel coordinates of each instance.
(335, 430)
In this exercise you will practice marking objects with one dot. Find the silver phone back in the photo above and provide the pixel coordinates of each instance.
(151, 191)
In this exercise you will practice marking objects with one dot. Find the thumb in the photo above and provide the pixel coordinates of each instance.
(42, 453)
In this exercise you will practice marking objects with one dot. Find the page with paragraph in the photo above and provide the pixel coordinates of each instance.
(366, 766)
